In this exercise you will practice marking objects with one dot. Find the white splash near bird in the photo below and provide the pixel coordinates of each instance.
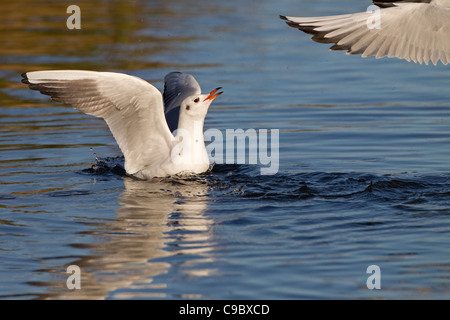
(414, 30)
(138, 117)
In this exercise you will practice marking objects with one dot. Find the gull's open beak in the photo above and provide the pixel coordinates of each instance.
(212, 94)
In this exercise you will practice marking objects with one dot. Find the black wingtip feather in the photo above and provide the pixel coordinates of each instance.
(391, 3)
(25, 78)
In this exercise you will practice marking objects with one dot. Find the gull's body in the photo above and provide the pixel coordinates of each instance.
(134, 112)
(414, 30)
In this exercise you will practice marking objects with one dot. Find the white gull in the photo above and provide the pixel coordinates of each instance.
(135, 113)
(414, 30)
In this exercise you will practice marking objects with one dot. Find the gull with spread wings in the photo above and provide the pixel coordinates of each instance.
(158, 135)
(414, 30)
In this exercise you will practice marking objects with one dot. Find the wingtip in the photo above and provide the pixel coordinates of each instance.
(25, 78)
(290, 23)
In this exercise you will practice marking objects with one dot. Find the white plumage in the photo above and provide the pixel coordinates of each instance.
(134, 112)
(414, 30)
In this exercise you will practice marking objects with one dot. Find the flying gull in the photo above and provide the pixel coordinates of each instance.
(414, 30)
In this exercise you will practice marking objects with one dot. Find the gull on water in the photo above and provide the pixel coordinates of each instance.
(414, 30)
(159, 135)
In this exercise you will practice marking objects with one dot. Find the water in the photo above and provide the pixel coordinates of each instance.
(363, 177)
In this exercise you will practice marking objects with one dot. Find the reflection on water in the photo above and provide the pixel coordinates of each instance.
(43, 144)
(363, 173)
(154, 221)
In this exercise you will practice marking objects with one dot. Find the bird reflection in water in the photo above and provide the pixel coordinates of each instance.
(159, 225)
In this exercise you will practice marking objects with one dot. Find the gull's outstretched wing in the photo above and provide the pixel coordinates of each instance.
(177, 87)
(132, 108)
(416, 31)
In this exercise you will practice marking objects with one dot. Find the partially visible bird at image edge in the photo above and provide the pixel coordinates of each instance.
(413, 30)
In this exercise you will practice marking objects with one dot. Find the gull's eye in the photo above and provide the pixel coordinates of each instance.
(197, 100)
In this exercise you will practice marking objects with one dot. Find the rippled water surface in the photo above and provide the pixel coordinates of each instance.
(363, 177)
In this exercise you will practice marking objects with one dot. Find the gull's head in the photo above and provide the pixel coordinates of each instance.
(197, 106)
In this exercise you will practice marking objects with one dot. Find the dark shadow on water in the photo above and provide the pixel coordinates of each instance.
(166, 226)
(244, 181)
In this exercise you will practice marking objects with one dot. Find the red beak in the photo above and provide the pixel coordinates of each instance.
(212, 94)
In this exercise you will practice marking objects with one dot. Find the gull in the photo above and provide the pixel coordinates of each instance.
(138, 116)
(413, 30)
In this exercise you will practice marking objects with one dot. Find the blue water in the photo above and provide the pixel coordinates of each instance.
(363, 177)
